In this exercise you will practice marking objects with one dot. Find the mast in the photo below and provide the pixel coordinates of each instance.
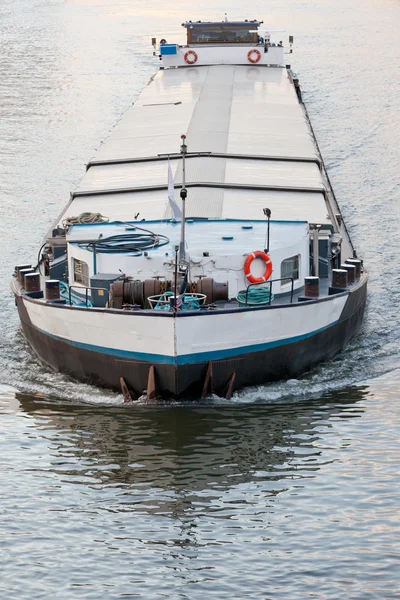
(183, 194)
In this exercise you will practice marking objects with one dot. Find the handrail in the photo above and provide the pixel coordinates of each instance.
(271, 281)
(78, 287)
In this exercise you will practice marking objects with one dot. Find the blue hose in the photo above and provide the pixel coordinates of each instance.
(257, 295)
(188, 302)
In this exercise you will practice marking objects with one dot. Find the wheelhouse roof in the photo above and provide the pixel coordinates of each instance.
(194, 24)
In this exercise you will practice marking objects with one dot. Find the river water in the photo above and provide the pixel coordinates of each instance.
(289, 491)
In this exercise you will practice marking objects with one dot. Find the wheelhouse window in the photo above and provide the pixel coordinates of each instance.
(290, 268)
(221, 34)
(81, 272)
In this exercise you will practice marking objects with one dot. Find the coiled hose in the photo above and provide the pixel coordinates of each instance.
(257, 295)
(132, 243)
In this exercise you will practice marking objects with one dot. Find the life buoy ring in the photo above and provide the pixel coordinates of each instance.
(251, 58)
(190, 57)
(268, 266)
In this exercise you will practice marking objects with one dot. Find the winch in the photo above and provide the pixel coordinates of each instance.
(136, 292)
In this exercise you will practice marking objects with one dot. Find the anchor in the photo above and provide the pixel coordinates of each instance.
(208, 386)
(151, 386)
(125, 391)
(150, 394)
(229, 386)
(208, 382)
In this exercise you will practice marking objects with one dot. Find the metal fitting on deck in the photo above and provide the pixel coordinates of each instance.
(339, 278)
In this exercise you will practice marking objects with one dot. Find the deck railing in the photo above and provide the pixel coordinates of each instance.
(87, 289)
(270, 282)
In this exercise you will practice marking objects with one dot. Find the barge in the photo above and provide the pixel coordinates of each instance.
(204, 249)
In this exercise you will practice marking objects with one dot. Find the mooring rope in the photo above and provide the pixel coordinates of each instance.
(85, 218)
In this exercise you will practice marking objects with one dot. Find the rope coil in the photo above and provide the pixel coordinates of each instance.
(261, 294)
(85, 218)
(187, 301)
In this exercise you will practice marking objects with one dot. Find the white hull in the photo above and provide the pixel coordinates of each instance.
(164, 339)
(253, 346)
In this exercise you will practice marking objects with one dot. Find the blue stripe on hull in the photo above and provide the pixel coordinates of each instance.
(161, 359)
(186, 359)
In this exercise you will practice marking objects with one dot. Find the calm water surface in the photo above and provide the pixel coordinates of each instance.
(294, 501)
(290, 491)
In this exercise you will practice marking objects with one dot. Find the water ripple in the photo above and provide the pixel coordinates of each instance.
(245, 501)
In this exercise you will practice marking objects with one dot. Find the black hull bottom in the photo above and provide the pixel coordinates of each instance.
(282, 362)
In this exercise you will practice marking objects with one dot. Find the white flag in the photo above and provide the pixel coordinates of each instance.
(176, 211)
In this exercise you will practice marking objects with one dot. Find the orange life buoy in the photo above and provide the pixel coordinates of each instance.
(257, 56)
(268, 266)
(190, 57)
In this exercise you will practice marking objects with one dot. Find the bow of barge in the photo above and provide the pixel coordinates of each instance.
(221, 263)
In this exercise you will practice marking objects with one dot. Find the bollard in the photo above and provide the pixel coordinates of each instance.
(339, 278)
(52, 289)
(357, 263)
(19, 267)
(22, 266)
(22, 273)
(311, 287)
(351, 272)
(32, 282)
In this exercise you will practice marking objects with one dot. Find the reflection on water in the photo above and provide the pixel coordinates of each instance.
(186, 447)
(248, 501)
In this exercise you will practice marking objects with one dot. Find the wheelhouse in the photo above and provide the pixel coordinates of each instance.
(225, 32)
